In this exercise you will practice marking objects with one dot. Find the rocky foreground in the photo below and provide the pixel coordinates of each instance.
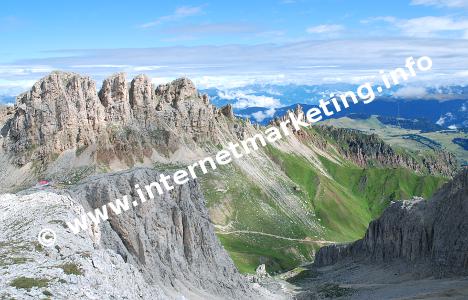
(165, 248)
(416, 250)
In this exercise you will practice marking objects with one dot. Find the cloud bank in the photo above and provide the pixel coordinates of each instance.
(441, 3)
(308, 62)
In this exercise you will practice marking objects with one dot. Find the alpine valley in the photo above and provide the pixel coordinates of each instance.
(250, 229)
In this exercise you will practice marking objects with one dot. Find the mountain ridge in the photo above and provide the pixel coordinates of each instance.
(135, 124)
(431, 232)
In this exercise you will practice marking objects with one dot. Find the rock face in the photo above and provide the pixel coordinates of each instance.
(64, 111)
(128, 122)
(432, 233)
(76, 267)
(60, 112)
(169, 238)
(261, 271)
(370, 149)
(142, 97)
(164, 248)
(227, 111)
(179, 90)
(114, 97)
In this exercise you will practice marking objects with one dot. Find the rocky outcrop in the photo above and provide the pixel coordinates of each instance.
(6, 113)
(227, 111)
(432, 233)
(370, 150)
(142, 97)
(162, 249)
(179, 90)
(123, 119)
(75, 267)
(115, 98)
(170, 238)
(60, 112)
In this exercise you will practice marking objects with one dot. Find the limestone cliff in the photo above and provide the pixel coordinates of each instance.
(60, 112)
(64, 111)
(370, 150)
(170, 238)
(432, 233)
(133, 121)
(163, 249)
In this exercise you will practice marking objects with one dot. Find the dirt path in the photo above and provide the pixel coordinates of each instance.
(306, 240)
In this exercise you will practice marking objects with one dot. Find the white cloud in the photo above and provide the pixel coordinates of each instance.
(441, 121)
(15, 87)
(428, 26)
(244, 99)
(463, 73)
(227, 95)
(233, 66)
(410, 92)
(257, 101)
(235, 81)
(161, 80)
(262, 115)
(325, 28)
(441, 3)
(148, 68)
(15, 70)
(388, 19)
(100, 66)
(180, 13)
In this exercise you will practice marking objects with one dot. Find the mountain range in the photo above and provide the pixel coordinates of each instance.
(275, 207)
(445, 106)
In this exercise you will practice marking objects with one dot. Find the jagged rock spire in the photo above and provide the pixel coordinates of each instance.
(64, 111)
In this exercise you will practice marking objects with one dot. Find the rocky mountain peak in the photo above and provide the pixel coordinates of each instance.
(177, 90)
(298, 110)
(114, 97)
(61, 105)
(67, 109)
(227, 111)
(142, 96)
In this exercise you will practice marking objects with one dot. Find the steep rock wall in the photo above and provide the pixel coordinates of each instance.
(432, 232)
(170, 238)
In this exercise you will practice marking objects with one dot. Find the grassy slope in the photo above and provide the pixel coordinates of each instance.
(378, 186)
(233, 199)
(343, 204)
(394, 135)
(353, 196)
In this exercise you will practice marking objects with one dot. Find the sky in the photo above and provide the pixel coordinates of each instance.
(231, 43)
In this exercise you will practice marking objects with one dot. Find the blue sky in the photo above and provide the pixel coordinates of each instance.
(225, 43)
